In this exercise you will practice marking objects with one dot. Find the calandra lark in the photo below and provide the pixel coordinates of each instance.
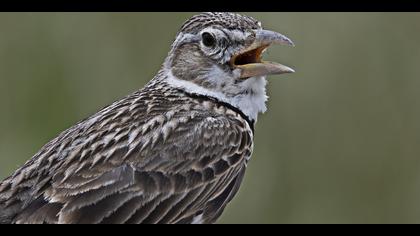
(172, 152)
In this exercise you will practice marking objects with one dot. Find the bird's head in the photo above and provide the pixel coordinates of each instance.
(220, 55)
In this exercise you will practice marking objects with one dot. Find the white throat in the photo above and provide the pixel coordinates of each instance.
(249, 97)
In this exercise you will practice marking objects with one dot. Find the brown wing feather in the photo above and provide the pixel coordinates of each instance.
(134, 163)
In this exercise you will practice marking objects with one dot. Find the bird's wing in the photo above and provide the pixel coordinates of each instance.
(178, 169)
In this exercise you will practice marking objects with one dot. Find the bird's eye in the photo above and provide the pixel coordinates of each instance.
(208, 39)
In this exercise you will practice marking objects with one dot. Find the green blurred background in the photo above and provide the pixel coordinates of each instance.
(340, 142)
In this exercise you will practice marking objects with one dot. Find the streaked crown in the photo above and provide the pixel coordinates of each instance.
(226, 20)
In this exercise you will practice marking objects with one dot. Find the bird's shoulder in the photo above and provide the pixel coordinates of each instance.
(148, 133)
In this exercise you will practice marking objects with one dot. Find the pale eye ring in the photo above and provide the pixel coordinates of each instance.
(208, 39)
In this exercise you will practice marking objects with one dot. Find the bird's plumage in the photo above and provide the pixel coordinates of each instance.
(172, 152)
(156, 156)
(226, 20)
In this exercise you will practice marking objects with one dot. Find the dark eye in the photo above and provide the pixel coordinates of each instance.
(208, 39)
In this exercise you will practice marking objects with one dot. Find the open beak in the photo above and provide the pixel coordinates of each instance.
(250, 60)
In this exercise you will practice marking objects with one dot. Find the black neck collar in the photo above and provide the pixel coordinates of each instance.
(195, 95)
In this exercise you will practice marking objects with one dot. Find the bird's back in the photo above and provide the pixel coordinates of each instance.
(157, 156)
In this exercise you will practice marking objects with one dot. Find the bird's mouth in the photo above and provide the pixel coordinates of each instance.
(249, 57)
(250, 60)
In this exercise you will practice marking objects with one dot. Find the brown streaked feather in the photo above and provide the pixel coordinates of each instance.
(144, 159)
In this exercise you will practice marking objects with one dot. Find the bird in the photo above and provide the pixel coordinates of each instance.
(172, 152)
